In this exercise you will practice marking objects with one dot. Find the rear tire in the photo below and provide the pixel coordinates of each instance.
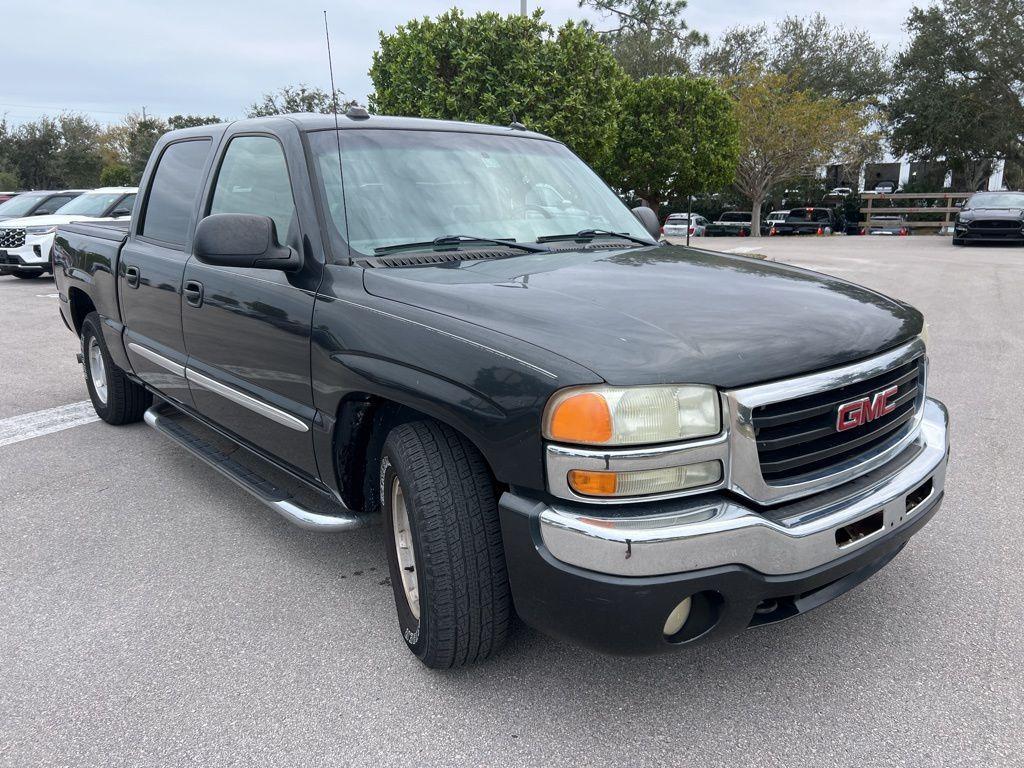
(116, 398)
(444, 547)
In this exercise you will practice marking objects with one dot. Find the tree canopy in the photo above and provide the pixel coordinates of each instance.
(494, 69)
(829, 60)
(960, 94)
(647, 37)
(677, 136)
(297, 98)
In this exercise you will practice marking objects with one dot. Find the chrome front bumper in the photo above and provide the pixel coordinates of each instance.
(700, 533)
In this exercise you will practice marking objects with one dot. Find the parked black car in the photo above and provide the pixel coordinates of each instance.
(809, 221)
(634, 446)
(990, 217)
(39, 203)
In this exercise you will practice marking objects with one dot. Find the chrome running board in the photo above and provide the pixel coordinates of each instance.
(252, 473)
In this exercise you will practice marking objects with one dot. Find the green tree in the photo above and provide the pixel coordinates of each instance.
(786, 132)
(830, 60)
(677, 136)
(174, 122)
(492, 69)
(297, 98)
(78, 160)
(116, 175)
(131, 141)
(960, 97)
(9, 181)
(34, 149)
(647, 37)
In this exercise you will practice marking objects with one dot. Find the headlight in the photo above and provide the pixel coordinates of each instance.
(40, 230)
(604, 415)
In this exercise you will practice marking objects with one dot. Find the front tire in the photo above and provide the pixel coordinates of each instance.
(958, 241)
(116, 398)
(444, 548)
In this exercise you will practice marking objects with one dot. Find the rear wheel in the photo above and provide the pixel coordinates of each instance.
(115, 397)
(444, 549)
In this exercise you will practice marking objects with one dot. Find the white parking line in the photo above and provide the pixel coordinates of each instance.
(29, 425)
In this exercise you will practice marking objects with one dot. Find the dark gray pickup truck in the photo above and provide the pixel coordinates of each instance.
(460, 332)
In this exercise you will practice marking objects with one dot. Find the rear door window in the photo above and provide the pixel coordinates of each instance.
(173, 192)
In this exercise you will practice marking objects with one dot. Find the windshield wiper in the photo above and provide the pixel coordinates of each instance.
(590, 234)
(454, 241)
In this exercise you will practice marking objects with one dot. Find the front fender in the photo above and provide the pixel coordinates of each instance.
(489, 387)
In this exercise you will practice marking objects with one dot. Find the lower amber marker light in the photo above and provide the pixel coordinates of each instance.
(644, 482)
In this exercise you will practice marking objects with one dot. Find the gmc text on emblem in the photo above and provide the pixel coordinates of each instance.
(857, 412)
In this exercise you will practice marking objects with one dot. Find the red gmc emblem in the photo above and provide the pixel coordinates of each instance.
(857, 412)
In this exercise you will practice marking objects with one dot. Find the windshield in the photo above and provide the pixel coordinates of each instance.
(735, 216)
(91, 203)
(20, 205)
(414, 186)
(984, 200)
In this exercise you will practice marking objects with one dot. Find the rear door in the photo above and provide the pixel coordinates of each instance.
(152, 264)
(248, 336)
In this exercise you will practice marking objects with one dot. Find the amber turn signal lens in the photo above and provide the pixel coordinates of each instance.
(593, 483)
(582, 418)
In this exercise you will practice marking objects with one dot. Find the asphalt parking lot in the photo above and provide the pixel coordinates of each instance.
(151, 613)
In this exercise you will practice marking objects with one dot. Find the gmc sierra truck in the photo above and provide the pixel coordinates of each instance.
(634, 446)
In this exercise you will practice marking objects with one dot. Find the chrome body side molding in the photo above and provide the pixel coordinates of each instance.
(246, 401)
(241, 398)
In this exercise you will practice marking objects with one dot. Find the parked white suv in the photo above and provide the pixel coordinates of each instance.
(25, 244)
(677, 224)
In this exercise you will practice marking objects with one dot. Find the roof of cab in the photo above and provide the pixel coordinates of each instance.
(306, 121)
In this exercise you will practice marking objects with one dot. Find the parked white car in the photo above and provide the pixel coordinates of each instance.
(677, 224)
(25, 244)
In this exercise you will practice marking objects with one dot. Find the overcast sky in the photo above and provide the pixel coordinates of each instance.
(216, 57)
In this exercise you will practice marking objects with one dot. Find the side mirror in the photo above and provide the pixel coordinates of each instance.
(649, 219)
(122, 212)
(243, 240)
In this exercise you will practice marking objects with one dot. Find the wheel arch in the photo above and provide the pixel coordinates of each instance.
(81, 305)
(362, 424)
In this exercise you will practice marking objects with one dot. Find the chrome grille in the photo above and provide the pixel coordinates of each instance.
(11, 238)
(799, 436)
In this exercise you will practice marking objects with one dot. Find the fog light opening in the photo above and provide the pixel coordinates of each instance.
(675, 621)
(693, 617)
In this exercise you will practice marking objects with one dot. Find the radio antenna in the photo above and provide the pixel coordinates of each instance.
(334, 107)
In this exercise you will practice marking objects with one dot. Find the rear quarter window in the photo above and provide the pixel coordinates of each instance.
(174, 190)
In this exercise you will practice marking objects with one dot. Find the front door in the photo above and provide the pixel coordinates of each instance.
(247, 331)
(152, 264)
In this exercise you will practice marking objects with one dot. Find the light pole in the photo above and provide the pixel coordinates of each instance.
(522, 7)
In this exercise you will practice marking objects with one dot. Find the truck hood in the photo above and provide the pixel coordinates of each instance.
(662, 314)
